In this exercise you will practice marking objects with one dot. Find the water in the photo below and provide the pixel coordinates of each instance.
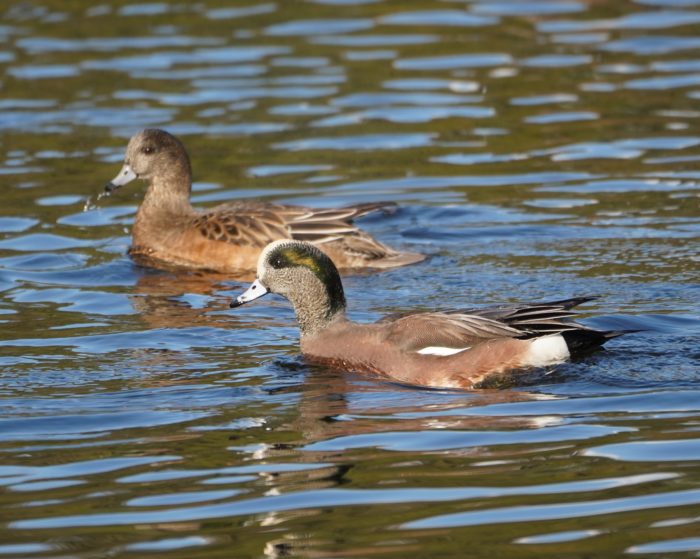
(538, 150)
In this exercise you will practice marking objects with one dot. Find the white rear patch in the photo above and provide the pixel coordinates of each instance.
(442, 351)
(546, 350)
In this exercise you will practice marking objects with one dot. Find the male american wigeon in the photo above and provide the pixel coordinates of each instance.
(229, 237)
(452, 349)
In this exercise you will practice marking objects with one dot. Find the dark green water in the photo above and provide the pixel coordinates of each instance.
(538, 150)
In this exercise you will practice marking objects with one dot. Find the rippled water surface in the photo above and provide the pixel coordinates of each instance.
(537, 149)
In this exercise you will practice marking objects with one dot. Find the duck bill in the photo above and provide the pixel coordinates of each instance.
(125, 176)
(255, 291)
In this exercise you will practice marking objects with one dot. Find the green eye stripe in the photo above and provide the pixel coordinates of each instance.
(294, 256)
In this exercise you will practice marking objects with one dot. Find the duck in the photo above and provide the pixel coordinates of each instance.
(228, 238)
(452, 349)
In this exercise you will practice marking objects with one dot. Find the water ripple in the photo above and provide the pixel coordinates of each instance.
(39, 45)
(355, 497)
(453, 61)
(362, 142)
(444, 440)
(318, 27)
(70, 427)
(455, 18)
(247, 11)
(14, 475)
(374, 40)
(583, 509)
(530, 8)
(650, 451)
(667, 546)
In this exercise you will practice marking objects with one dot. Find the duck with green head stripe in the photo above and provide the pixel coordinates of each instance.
(447, 349)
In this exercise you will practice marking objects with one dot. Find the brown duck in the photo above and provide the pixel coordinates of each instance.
(229, 237)
(451, 349)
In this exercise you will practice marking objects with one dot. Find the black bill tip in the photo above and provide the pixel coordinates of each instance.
(235, 303)
(110, 187)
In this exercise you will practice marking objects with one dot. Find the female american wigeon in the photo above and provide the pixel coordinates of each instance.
(453, 349)
(229, 238)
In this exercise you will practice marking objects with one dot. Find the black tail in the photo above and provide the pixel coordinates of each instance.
(583, 340)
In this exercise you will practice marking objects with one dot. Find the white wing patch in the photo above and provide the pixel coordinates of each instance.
(441, 351)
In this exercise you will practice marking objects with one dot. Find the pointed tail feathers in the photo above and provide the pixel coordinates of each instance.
(583, 340)
(369, 207)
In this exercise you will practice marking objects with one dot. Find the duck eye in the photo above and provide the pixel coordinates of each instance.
(148, 150)
(277, 262)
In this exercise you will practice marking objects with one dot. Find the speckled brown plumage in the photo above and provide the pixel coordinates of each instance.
(229, 237)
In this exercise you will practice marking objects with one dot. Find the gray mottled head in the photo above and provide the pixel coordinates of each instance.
(155, 156)
(306, 276)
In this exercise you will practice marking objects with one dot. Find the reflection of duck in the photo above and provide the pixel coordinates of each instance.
(455, 349)
(332, 406)
(156, 299)
(229, 237)
(336, 408)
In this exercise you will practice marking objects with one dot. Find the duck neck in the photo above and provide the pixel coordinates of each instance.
(318, 306)
(169, 192)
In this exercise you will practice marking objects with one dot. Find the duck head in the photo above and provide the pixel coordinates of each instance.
(154, 155)
(303, 274)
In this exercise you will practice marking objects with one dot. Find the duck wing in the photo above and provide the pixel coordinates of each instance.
(258, 223)
(440, 333)
(324, 225)
(243, 224)
(536, 319)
